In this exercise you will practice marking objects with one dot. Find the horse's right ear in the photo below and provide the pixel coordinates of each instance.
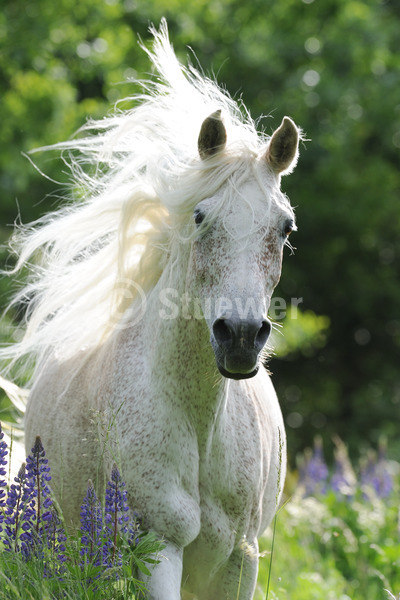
(283, 149)
(212, 137)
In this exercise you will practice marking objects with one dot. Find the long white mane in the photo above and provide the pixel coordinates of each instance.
(137, 176)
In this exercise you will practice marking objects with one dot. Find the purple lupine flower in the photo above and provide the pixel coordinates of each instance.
(384, 477)
(38, 476)
(91, 528)
(39, 526)
(133, 529)
(376, 475)
(116, 515)
(314, 472)
(19, 515)
(3, 473)
(343, 481)
(340, 483)
(55, 538)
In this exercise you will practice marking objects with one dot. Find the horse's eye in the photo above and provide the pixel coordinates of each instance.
(289, 227)
(198, 216)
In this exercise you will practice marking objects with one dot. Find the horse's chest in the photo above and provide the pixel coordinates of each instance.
(231, 481)
(231, 476)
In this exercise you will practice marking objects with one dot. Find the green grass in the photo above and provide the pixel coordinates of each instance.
(324, 549)
(330, 549)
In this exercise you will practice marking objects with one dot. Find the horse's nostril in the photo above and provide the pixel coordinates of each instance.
(263, 334)
(222, 333)
(230, 333)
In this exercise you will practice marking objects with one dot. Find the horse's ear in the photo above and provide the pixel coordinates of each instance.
(212, 137)
(283, 149)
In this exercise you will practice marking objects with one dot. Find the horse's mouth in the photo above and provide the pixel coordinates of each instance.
(237, 375)
(237, 365)
(237, 345)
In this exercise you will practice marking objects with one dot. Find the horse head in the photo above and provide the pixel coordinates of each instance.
(237, 253)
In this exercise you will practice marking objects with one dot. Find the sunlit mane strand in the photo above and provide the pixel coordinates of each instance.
(139, 176)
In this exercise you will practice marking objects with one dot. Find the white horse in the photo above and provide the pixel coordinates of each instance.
(147, 319)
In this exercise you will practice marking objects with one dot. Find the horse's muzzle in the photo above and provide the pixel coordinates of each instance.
(237, 344)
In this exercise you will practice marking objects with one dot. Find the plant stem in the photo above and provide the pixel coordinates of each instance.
(271, 557)
(240, 577)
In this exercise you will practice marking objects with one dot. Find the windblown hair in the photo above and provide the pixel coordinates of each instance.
(139, 175)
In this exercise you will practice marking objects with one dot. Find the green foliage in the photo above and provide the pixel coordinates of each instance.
(103, 560)
(26, 580)
(304, 332)
(334, 67)
(327, 548)
(337, 535)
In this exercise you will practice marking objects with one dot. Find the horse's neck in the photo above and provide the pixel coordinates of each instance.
(183, 353)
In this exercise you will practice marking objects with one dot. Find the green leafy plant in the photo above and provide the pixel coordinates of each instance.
(38, 560)
(336, 538)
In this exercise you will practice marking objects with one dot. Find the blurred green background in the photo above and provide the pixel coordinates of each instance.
(334, 67)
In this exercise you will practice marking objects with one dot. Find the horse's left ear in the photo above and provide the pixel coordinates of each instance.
(212, 137)
(283, 149)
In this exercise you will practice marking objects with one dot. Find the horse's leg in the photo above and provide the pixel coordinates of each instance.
(165, 580)
(238, 577)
